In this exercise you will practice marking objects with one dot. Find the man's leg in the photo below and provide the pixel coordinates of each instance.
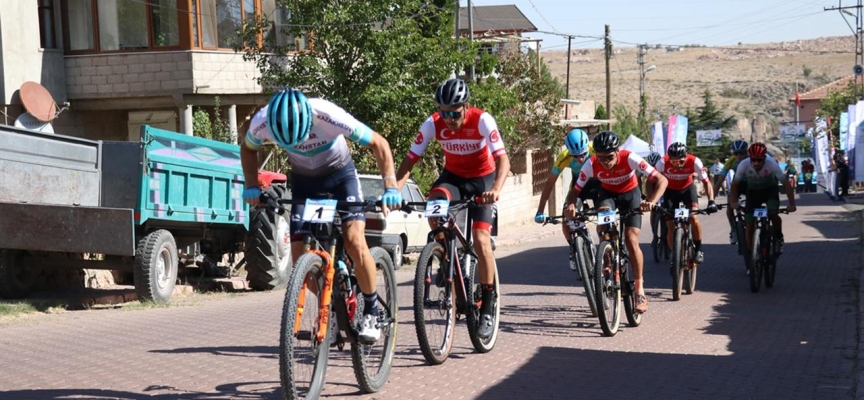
(730, 216)
(481, 231)
(354, 239)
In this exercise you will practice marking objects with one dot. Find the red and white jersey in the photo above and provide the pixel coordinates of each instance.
(469, 152)
(621, 178)
(680, 178)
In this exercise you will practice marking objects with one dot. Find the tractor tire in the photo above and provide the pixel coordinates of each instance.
(268, 244)
(156, 265)
(16, 280)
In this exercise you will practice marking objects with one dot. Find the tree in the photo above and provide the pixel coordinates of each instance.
(378, 60)
(836, 103)
(601, 112)
(709, 116)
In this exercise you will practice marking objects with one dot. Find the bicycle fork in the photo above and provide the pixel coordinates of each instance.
(325, 297)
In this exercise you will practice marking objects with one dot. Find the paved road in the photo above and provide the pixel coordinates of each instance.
(797, 340)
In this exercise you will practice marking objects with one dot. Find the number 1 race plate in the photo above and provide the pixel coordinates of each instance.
(319, 210)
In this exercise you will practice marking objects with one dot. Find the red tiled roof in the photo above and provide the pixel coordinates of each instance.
(822, 91)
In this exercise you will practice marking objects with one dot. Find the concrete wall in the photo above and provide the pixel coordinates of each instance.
(159, 73)
(517, 205)
(21, 57)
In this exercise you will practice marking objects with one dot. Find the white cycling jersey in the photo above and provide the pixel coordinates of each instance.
(765, 178)
(325, 151)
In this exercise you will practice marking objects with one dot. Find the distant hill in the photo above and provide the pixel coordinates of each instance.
(750, 81)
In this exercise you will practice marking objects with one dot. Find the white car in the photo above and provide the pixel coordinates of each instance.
(399, 232)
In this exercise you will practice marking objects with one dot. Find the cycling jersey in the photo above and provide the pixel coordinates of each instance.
(621, 178)
(565, 160)
(325, 151)
(765, 178)
(680, 178)
(469, 152)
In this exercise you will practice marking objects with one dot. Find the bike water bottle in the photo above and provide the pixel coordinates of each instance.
(344, 279)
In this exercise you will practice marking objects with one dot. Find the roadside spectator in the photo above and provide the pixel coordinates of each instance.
(717, 180)
(842, 174)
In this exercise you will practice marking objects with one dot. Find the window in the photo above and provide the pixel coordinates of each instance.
(122, 25)
(47, 38)
(166, 31)
(278, 34)
(221, 21)
(79, 22)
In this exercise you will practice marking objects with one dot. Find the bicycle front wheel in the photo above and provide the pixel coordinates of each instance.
(372, 362)
(607, 289)
(302, 359)
(434, 304)
(756, 261)
(474, 292)
(586, 269)
(678, 260)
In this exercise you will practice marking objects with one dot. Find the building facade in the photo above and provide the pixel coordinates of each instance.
(123, 63)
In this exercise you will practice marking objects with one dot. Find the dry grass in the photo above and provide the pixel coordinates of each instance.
(747, 80)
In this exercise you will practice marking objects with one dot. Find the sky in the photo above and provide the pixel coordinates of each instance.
(679, 22)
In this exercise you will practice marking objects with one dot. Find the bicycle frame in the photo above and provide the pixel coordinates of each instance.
(450, 229)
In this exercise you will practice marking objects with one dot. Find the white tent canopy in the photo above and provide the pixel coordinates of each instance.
(636, 145)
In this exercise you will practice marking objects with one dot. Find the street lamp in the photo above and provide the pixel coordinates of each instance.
(642, 73)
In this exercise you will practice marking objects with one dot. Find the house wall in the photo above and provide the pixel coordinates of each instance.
(517, 204)
(807, 111)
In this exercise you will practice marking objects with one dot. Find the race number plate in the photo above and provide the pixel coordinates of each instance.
(437, 208)
(319, 210)
(606, 217)
(760, 213)
(682, 213)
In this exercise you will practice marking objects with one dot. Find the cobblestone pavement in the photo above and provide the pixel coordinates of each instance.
(797, 340)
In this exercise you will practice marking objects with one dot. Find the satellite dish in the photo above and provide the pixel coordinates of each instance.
(30, 122)
(37, 101)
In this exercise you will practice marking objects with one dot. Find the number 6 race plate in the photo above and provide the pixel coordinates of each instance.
(606, 217)
(682, 213)
(319, 210)
(760, 213)
(437, 208)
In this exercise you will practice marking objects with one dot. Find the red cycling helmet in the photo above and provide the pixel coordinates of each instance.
(757, 150)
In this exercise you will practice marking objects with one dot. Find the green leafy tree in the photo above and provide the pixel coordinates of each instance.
(836, 103)
(600, 113)
(709, 116)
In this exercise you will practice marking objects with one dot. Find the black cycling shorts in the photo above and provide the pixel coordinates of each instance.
(770, 197)
(342, 185)
(623, 202)
(454, 187)
(672, 198)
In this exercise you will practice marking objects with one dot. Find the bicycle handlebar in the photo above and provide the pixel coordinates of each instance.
(701, 211)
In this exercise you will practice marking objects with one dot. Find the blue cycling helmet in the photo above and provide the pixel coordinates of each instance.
(576, 141)
(289, 117)
(739, 146)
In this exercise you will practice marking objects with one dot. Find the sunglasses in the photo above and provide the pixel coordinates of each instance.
(607, 158)
(580, 155)
(757, 160)
(451, 114)
(679, 161)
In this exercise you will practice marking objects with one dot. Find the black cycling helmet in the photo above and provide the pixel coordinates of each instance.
(606, 141)
(453, 92)
(677, 150)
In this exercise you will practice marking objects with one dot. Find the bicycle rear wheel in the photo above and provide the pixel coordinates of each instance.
(771, 263)
(691, 268)
(678, 263)
(658, 241)
(302, 360)
(628, 294)
(756, 261)
(474, 292)
(607, 289)
(586, 268)
(372, 362)
(434, 305)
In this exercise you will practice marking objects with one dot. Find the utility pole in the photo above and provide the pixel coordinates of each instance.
(567, 89)
(608, 46)
(859, 40)
(471, 35)
(640, 59)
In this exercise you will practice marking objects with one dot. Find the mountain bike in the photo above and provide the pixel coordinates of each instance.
(322, 302)
(613, 275)
(446, 287)
(582, 251)
(741, 231)
(763, 255)
(683, 269)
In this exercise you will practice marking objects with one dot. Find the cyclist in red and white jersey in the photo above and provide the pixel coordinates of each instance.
(475, 165)
(679, 168)
(619, 187)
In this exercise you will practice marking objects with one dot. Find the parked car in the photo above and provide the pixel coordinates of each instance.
(399, 232)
